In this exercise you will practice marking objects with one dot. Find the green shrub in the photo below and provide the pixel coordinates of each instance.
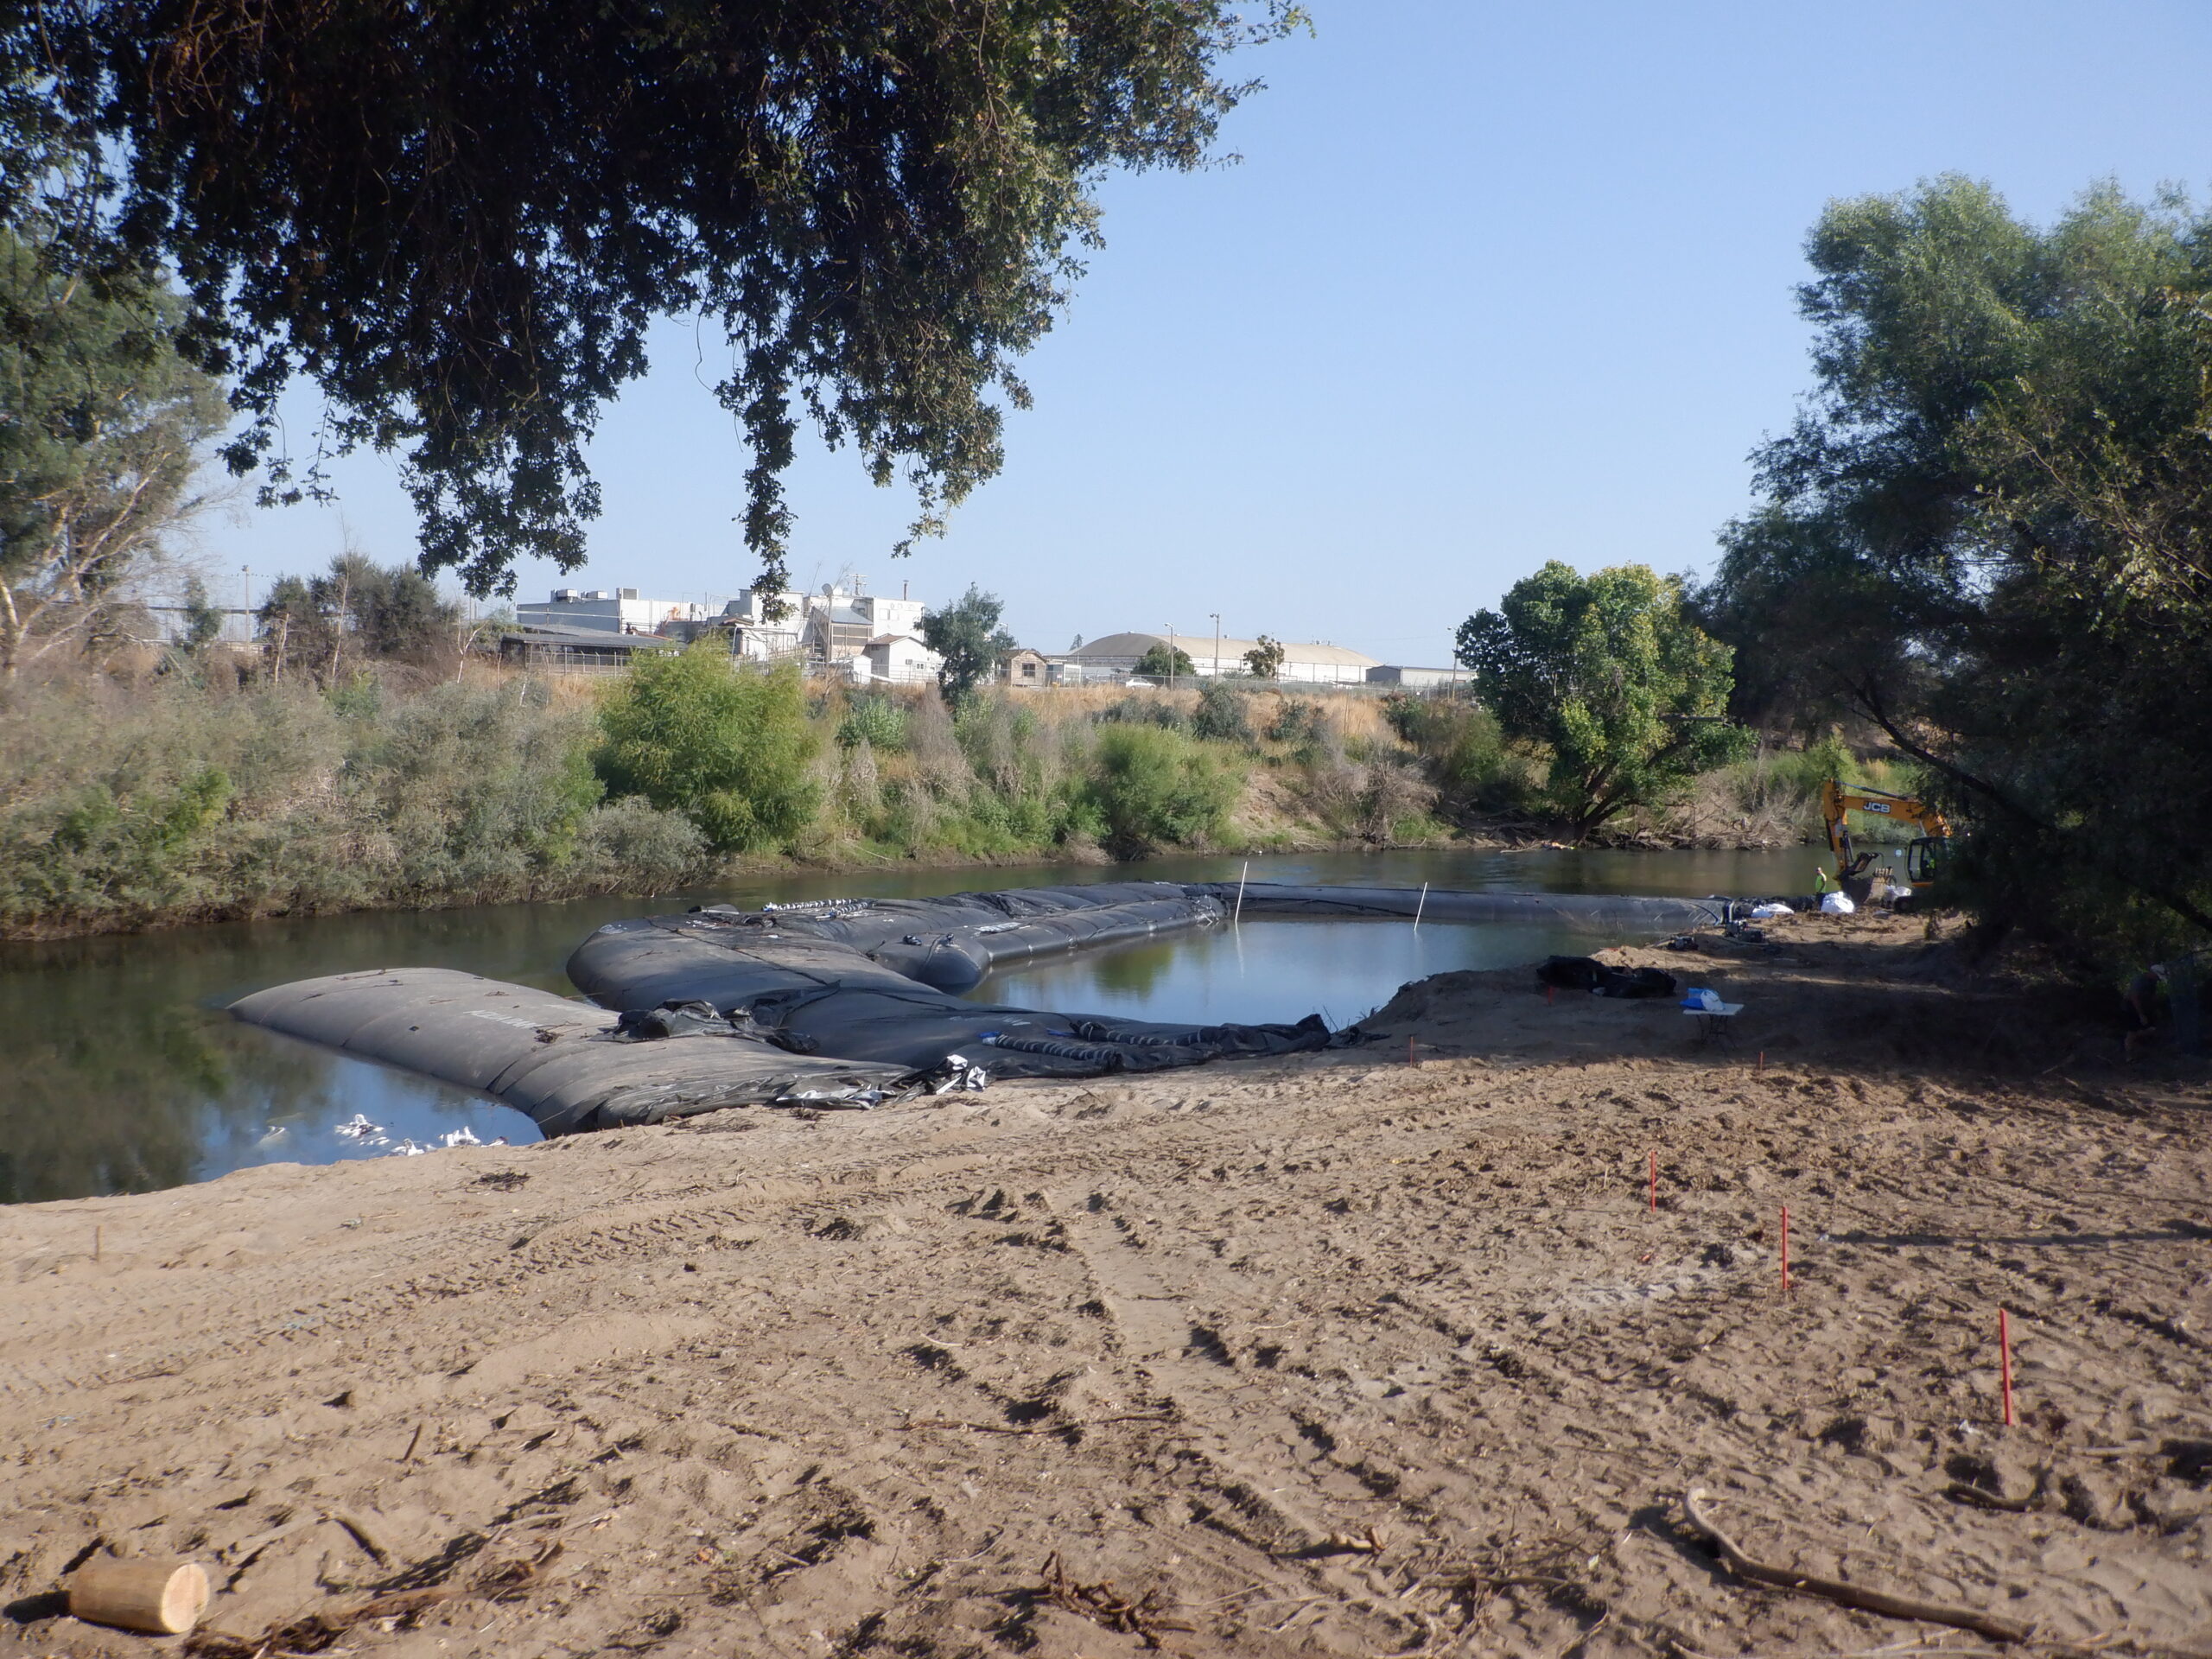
(1139, 710)
(1222, 715)
(876, 721)
(1301, 724)
(361, 697)
(726, 745)
(656, 851)
(998, 733)
(478, 791)
(1151, 788)
(1472, 765)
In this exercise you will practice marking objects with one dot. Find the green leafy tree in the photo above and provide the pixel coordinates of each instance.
(1160, 662)
(1989, 538)
(461, 222)
(298, 630)
(968, 636)
(396, 610)
(1265, 659)
(101, 427)
(203, 619)
(1627, 693)
(726, 746)
(356, 608)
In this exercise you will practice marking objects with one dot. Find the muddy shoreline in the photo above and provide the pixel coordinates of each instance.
(1335, 1355)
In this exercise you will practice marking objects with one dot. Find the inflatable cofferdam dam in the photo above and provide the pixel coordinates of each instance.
(842, 1002)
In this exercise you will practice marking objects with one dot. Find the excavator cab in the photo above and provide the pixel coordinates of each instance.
(1923, 858)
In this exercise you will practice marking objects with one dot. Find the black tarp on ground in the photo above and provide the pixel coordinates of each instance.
(801, 972)
(846, 998)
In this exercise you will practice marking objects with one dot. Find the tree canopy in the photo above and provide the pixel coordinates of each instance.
(101, 428)
(358, 607)
(1265, 659)
(968, 636)
(461, 222)
(1609, 676)
(1163, 661)
(1989, 536)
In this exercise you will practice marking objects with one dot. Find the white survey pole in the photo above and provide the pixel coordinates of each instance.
(1422, 906)
(1239, 917)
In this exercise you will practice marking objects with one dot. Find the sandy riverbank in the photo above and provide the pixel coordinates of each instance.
(1339, 1355)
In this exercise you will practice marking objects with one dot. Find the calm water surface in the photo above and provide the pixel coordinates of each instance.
(120, 1073)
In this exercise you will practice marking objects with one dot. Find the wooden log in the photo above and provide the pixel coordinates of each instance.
(159, 1598)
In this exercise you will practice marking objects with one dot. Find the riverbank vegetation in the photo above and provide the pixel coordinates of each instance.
(199, 786)
(1988, 541)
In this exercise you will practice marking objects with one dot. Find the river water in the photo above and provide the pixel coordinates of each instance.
(120, 1073)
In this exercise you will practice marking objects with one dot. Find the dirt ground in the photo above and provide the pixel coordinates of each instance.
(1333, 1355)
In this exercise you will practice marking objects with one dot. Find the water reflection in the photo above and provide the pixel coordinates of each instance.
(1277, 970)
(120, 1073)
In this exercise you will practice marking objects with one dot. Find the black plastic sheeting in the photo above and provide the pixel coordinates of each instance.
(848, 979)
(1587, 912)
(847, 1002)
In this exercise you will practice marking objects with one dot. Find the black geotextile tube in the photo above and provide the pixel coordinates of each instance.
(1592, 912)
(802, 972)
(827, 1001)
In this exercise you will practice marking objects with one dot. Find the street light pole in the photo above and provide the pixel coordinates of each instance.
(1171, 656)
(1217, 642)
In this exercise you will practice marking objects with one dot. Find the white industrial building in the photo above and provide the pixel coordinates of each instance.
(901, 659)
(617, 610)
(863, 635)
(856, 634)
(1307, 664)
(1419, 679)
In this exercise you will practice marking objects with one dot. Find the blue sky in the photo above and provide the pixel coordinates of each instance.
(1491, 285)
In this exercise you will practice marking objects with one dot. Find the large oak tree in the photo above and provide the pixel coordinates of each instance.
(459, 220)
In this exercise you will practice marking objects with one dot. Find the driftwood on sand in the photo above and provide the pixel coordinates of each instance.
(1849, 1595)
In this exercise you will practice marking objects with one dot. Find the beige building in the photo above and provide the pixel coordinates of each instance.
(1307, 664)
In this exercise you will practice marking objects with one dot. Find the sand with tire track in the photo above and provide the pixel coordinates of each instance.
(1335, 1355)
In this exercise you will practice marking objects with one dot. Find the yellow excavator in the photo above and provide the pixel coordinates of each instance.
(1924, 855)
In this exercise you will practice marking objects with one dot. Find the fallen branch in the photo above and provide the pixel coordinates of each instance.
(1146, 1618)
(362, 1536)
(1847, 1595)
(915, 1423)
(1959, 1492)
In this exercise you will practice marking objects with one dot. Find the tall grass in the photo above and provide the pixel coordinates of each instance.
(125, 803)
(1773, 799)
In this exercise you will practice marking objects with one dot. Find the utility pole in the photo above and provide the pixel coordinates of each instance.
(245, 601)
(1217, 642)
(1171, 656)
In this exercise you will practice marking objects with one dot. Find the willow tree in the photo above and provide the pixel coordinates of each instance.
(1989, 537)
(459, 222)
